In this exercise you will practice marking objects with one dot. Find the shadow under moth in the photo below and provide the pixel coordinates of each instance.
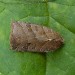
(33, 38)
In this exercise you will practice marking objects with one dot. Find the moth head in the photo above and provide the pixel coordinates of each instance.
(55, 43)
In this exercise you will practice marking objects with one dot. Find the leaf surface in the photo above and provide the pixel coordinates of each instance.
(56, 14)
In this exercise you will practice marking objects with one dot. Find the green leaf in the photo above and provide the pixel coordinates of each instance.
(56, 14)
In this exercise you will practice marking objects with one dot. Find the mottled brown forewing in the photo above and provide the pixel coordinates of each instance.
(34, 38)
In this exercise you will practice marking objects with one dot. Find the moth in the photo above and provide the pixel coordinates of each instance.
(34, 38)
